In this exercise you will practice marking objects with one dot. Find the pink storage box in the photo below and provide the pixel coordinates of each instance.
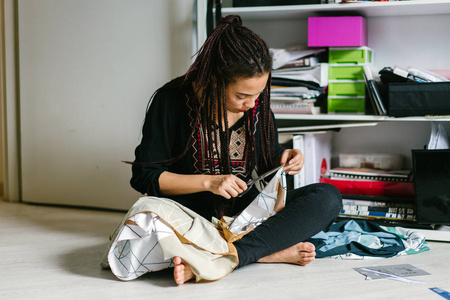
(337, 31)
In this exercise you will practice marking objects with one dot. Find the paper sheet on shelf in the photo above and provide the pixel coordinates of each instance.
(438, 138)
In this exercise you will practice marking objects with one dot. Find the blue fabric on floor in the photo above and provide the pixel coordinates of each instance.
(360, 237)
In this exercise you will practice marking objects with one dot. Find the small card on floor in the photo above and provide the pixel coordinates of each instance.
(379, 272)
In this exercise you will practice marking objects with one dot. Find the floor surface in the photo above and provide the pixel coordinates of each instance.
(53, 253)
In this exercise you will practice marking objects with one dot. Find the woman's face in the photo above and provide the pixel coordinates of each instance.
(242, 94)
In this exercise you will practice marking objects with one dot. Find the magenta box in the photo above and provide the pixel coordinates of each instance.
(337, 31)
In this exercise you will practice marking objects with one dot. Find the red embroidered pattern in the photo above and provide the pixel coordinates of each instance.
(239, 149)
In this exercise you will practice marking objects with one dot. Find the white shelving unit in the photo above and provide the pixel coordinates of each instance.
(402, 33)
(367, 9)
(360, 118)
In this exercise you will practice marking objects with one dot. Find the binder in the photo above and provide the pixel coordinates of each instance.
(374, 93)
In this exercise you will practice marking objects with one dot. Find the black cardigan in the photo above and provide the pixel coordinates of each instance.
(165, 133)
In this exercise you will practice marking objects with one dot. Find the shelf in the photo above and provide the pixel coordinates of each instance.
(357, 118)
(367, 9)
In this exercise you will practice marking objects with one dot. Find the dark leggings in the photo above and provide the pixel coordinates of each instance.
(308, 210)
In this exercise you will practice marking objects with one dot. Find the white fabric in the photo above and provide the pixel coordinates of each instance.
(157, 229)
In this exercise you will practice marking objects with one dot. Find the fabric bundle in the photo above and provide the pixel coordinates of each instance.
(353, 239)
(157, 229)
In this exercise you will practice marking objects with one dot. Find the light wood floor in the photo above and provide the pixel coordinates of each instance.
(53, 253)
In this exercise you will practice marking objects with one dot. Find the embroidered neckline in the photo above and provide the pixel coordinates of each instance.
(239, 148)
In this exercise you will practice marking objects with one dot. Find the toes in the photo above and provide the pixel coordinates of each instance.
(307, 247)
(177, 260)
(179, 274)
(306, 260)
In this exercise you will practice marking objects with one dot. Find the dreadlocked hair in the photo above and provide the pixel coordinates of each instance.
(232, 52)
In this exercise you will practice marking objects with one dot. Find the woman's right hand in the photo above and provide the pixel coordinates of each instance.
(227, 186)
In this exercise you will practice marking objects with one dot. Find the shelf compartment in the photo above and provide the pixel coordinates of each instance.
(347, 88)
(359, 55)
(346, 72)
(347, 105)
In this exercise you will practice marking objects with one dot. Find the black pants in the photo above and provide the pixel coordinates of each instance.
(308, 210)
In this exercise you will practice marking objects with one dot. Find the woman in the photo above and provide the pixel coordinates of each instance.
(208, 130)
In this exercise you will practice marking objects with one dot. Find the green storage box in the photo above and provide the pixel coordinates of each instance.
(346, 105)
(361, 55)
(346, 73)
(349, 88)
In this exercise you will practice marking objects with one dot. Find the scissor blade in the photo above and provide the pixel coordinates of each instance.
(253, 181)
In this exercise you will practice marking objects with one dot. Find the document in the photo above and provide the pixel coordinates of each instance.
(394, 272)
(438, 138)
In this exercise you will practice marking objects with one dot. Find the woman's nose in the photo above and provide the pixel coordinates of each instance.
(250, 103)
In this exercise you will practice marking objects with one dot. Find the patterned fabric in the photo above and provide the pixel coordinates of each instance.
(157, 229)
(239, 150)
(353, 239)
(264, 206)
(413, 241)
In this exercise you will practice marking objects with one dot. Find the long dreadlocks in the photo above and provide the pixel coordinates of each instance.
(231, 52)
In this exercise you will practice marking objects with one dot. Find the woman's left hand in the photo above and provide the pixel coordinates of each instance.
(293, 161)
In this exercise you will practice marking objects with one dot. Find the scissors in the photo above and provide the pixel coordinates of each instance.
(251, 182)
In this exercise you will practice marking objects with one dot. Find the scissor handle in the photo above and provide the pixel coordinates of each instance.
(249, 186)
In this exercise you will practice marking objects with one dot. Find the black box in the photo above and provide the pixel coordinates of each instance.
(432, 185)
(418, 99)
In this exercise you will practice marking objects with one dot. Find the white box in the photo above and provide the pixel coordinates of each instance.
(383, 161)
(316, 148)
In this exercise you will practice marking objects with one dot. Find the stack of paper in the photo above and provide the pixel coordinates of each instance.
(298, 78)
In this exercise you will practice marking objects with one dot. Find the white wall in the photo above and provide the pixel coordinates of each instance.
(87, 71)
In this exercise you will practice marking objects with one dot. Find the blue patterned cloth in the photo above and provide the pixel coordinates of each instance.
(363, 238)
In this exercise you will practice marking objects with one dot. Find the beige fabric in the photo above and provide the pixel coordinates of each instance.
(146, 233)
(157, 229)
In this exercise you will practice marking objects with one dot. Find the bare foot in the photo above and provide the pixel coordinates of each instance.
(299, 254)
(182, 272)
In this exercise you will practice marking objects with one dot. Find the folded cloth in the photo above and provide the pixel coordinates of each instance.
(414, 241)
(157, 229)
(363, 238)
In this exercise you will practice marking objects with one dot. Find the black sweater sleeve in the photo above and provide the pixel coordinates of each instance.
(165, 133)
(164, 136)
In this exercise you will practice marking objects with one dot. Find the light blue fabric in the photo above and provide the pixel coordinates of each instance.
(354, 233)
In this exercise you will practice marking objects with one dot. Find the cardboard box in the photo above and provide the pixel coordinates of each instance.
(418, 99)
(349, 31)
